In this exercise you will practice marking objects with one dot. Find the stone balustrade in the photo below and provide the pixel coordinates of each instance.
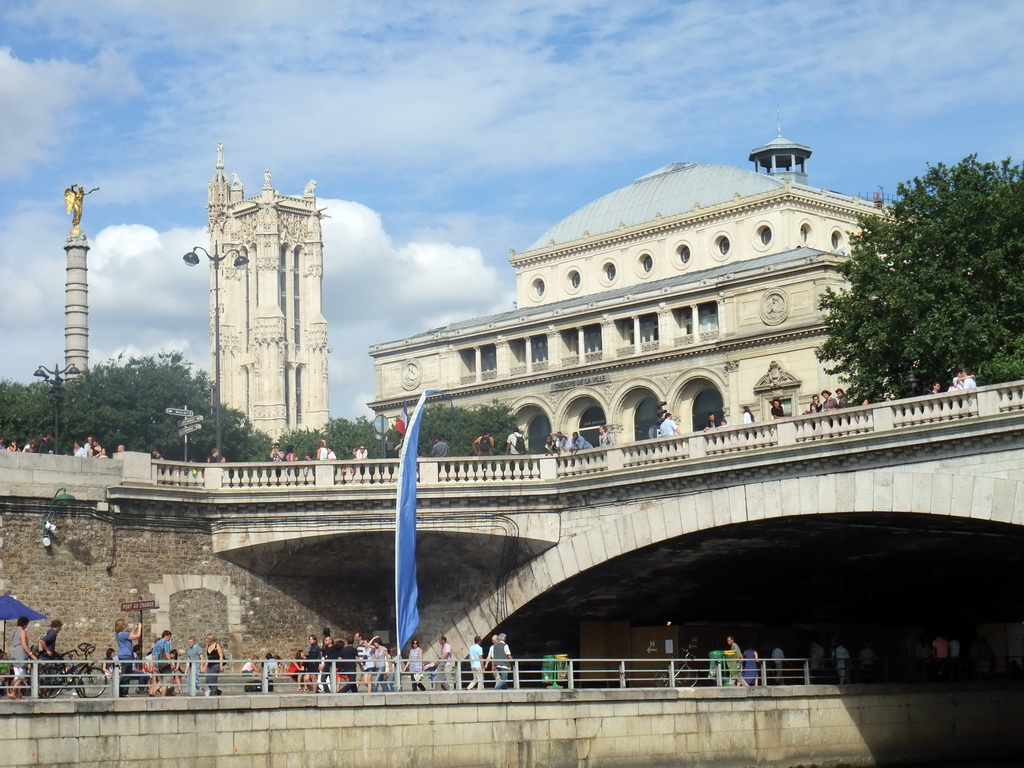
(873, 419)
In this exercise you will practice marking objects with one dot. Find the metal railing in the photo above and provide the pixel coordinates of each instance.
(111, 679)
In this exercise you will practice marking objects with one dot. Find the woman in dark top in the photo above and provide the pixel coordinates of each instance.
(214, 658)
(313, 656)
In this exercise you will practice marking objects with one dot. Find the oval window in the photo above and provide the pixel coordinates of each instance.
(836, 240)
(575, 279)
(538, 287)
(765, 233)
(609, 271)
(684, 254)
(723, 245)
(646, 262)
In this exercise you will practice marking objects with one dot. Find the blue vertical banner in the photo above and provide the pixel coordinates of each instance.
(406, 589)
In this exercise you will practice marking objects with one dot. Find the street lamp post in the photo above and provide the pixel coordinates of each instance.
(192, 258)
(56, 378)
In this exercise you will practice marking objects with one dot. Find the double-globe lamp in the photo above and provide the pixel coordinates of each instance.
(192, 259)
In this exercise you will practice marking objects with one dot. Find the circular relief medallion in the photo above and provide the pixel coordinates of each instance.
(774, 307)
(411, 375)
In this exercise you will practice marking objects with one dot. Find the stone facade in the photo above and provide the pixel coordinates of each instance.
(697, 285)
(99, 561)
(273, 333)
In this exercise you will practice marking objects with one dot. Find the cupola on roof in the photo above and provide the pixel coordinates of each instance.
(673, 189)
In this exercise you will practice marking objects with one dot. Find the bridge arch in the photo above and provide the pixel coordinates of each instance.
(941, 510)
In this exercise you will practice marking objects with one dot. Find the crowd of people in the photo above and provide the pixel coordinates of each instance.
(90, 449)
(360, 665)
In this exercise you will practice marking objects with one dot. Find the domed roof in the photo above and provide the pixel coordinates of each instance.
(669, 191)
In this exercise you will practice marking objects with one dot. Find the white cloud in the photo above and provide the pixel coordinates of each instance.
(42, 102)
(143, 299)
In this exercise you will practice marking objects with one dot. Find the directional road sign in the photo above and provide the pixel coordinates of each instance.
(179, 412)
(189, 428)
(190, 420)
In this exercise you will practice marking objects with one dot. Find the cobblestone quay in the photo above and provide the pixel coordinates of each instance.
(660, 728)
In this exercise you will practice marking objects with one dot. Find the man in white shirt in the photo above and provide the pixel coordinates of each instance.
(500, 659)
(668, 426)
(515, 445)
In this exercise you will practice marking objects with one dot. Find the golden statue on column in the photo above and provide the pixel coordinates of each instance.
(73, 198)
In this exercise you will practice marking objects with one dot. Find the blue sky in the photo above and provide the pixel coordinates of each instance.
(440, 135)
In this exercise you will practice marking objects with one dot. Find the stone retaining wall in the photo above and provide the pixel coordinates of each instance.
(812, 725)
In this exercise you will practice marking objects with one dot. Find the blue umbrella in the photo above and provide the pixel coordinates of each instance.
(12, 609)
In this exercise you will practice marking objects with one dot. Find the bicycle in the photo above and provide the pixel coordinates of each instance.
(83, 678)
(686, 672)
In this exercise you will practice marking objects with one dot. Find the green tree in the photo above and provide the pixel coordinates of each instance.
(344, 435)
(465, 426)
(123, 401)
(934, 284)
(26, 411)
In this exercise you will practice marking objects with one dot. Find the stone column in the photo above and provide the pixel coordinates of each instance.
(607, 337)
(502, 357)
(665, 330)
(554, 348)
(528, 347)
(76, 302)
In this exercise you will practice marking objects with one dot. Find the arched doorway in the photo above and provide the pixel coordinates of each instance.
(537, 431)
(645, 418)
(706, 402)
(590, 420)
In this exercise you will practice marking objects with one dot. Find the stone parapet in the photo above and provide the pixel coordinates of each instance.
(862, 726)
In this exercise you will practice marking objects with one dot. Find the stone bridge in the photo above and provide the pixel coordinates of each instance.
(908, 512)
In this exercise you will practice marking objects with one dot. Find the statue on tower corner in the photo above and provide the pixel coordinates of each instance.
(73, 199)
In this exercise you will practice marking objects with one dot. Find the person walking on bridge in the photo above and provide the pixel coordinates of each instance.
(500, 660)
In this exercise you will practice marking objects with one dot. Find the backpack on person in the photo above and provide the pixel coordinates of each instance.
(485, 444)
(520, 444)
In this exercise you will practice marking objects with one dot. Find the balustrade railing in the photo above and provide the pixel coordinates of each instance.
(839, 424)
(114, 678)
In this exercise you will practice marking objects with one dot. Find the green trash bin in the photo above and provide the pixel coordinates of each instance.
(715, 671)
(555, 669)
(549, 670)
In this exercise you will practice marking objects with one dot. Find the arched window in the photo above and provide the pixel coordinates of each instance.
(537, 432)
(645, 417)
(707, 402)
(590, 420)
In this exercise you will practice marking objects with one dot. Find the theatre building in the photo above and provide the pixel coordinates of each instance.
(696, 285)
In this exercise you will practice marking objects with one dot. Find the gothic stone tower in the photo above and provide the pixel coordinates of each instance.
(273, 333)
